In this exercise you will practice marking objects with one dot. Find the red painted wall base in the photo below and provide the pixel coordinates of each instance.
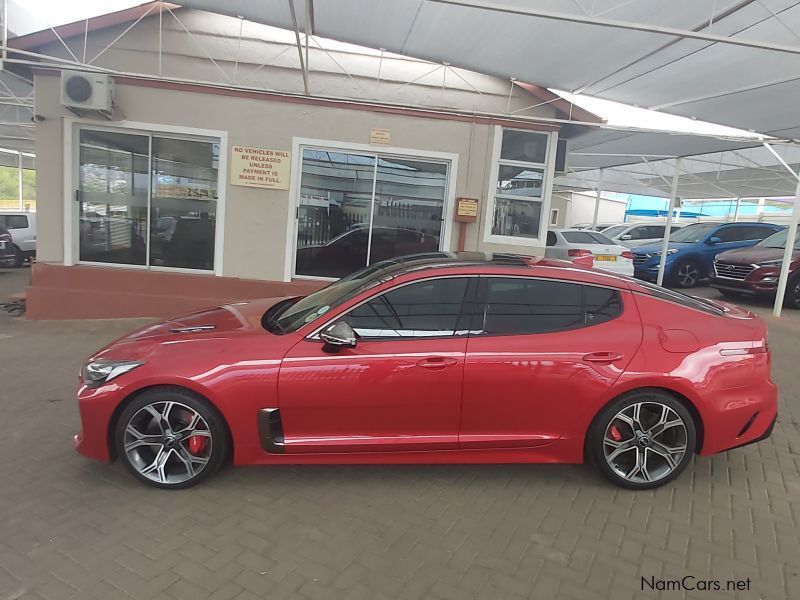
(84, 292)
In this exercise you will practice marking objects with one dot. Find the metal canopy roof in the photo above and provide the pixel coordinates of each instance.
(734, 62)
(746, 173)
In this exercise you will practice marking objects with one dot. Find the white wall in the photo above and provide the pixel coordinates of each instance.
(579, 208)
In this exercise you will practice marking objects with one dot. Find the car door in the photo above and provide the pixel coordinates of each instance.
(398, 389)
(541, 353)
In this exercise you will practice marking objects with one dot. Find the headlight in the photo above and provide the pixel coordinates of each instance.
(669, 252)
(770, 263)
(98, 372)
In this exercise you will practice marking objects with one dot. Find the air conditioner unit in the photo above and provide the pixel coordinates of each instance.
(87, 94)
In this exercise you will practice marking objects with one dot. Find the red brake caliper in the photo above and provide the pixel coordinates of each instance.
(615, 434)
(197, 444)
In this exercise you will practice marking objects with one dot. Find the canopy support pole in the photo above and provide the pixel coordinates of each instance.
(19, 174)
(599, 191)
(673, 194)
(791, 238)
(736, 211)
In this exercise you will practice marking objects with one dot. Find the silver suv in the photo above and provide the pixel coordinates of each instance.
(22, 227)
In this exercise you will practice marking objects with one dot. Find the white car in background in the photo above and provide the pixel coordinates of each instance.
(569, 244)
(22, 227)
(639, 234)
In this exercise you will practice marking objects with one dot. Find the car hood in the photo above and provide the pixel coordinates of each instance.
(753, 255)
(238, 318)
(652, 248)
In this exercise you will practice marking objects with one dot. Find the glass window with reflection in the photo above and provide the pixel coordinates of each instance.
(517, 210)
(423, 309)
(184, 203)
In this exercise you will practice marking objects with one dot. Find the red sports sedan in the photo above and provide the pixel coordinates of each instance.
(437, 360)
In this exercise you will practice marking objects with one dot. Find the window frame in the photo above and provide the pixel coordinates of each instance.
(470, 294)
(299, 144)
(553, 221)
(547, 187)
(481, 302)
(71, 237)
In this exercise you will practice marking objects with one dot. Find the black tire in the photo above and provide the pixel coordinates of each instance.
(599, 441)
(687, 274)
(792, 297)
(19, 257)
(173, 442)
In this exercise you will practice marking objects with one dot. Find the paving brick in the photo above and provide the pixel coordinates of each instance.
(71, 528)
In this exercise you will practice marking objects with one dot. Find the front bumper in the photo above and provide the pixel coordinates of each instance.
(763, 280)
(96, 407)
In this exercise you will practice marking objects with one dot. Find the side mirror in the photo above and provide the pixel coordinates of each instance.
(626, 237)
(713, 240)
(338, 335)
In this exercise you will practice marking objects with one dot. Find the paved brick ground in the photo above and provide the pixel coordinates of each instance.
(72, 528)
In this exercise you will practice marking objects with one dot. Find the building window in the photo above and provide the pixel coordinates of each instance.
(147, 200)
(553, 217)
(359, 208)
(519, 188)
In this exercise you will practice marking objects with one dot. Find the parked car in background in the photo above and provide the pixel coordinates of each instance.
(454, 360)
(691, 251)
(572, 244)
(8, 257)
(598, 227)
(755, 270)
(348, 252)
(22, 227)
(639, 234)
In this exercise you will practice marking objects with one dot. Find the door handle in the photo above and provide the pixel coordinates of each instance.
(437, 363)
(603, 357)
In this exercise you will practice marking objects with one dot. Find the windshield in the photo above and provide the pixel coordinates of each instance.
(691, 234)
(291, 315)
(778, 240)
(614, 231)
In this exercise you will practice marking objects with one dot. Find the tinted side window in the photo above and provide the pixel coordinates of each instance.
(551, 238)
(759, 233)
(16, 221)
(655, 231)
(424, 309)
(736, 234)
(527, 306)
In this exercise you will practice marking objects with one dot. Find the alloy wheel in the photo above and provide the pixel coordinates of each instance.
(168, 442)
(645, 442)
(688, 275)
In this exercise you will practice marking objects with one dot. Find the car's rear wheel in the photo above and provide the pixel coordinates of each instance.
(687, 274)
(642, 440)
(792, 297)
(170, 438)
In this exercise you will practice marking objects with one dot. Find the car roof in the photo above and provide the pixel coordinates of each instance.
(487, 263)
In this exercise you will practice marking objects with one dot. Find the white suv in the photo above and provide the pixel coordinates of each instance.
(22, 227)
(639, 234)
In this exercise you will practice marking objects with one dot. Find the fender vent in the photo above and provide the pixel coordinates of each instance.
(748, 424)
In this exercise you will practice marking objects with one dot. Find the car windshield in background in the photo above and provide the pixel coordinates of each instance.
(778, 240)
(615, 230)
(692, 234)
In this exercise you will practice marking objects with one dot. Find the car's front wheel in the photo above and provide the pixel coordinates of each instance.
(170, 438)
(687, 274)
(792, 297)
(642, 440)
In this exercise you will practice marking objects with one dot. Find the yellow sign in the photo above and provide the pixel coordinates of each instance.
(467, 207)
(260, 167)
(380, 137)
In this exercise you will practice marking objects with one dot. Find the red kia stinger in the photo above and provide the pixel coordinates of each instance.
(437, 359)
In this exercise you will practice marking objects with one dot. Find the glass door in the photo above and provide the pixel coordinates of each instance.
(357, 209)
(113, 191)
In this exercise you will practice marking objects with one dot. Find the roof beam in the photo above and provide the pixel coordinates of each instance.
(303, 66)
(616, 24)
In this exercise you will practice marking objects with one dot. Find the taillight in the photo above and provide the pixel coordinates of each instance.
(579, 252)
(5, 237)
(627, 254)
